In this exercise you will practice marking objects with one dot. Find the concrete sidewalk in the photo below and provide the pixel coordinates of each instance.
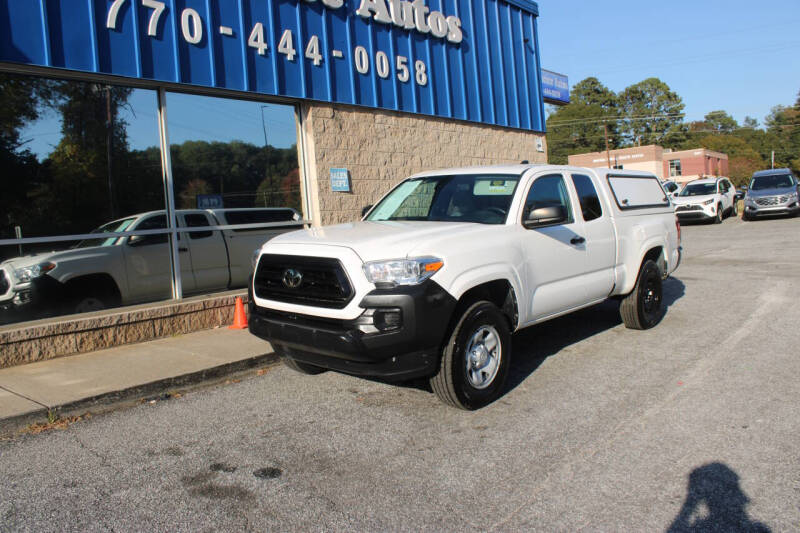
(32, 390)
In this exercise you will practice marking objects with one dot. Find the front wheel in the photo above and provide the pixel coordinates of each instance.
(720, 214)
(476, 359)
(297, 366)
(642, 308)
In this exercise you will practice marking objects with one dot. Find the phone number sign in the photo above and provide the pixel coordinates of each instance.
(468, 59)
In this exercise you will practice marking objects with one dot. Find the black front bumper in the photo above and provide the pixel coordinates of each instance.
(44, 297)
(409, 351)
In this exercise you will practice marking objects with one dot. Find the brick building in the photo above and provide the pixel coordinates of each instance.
(679, 166)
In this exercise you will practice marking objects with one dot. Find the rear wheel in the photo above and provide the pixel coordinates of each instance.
(476, 359)
(642, 308)
(735, 208)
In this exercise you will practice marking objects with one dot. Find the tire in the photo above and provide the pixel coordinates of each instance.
(297, 366)
(643, 307)
(476, 359)
(88, 297)
(303, 368)
(720, 214)
(735, 208)
(746, 217)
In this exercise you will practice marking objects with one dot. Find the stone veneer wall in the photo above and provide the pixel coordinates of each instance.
(56, 338)
(380, 148)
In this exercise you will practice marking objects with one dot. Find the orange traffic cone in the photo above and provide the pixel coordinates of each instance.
(239, 316)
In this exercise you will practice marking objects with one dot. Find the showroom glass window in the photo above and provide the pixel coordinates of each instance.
(77, 158)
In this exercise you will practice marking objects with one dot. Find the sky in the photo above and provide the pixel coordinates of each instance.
(741, 57)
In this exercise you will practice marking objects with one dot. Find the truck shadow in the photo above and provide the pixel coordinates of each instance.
(533, 345)
(714, 501)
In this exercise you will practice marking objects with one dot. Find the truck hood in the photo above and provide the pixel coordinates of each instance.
(56, 256)
(683, 200)
(381, 240)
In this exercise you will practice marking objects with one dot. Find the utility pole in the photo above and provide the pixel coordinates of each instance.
(110, 151)
(605, 134)
(773, 160)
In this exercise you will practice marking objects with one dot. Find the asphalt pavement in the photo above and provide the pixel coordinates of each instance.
(693, 425)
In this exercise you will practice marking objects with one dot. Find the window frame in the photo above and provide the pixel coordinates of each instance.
(570, 200)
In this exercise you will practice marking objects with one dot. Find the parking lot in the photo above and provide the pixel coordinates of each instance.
(693, 423)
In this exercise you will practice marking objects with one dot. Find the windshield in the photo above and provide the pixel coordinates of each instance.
(480, 198)
(112, 227)
(777, 181)
(699, 189)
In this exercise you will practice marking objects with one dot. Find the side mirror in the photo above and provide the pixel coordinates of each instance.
(546, 216)
(365, 210)
(137, 240)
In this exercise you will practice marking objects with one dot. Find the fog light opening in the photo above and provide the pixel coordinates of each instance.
(388, 319)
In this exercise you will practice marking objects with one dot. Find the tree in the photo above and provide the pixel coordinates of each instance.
(653, 114)
(21, 101)
(579, 126)
(743, 160)
(721, 122)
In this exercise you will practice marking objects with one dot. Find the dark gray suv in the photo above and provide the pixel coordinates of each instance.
(772, 192)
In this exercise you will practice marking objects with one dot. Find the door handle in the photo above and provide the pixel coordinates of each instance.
(183, 249)
(577, 240)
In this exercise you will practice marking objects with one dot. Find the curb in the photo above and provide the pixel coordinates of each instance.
(109, 400)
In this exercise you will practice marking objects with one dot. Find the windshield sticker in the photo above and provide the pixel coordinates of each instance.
(494, 187)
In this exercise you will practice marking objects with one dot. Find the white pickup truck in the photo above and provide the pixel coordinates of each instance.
(437, 275)
(110, 271)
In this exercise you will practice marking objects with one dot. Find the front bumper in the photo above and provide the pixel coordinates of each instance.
(696, 213)
(352, 346)
(40, 298)
(755, 210)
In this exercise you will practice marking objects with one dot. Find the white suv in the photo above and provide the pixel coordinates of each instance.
(706, 199)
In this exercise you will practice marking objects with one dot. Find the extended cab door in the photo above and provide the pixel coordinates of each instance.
(601, 239)
(207, 249)
(554, 252)
(148, 264)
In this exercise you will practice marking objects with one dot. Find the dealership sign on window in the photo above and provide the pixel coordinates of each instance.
(467, 59)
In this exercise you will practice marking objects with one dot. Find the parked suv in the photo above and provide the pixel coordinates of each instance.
(772, 192)
(706, 199)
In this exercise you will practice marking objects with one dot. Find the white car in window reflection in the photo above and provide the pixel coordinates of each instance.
(116, 270)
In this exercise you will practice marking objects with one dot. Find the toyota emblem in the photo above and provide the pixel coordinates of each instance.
(292, 278)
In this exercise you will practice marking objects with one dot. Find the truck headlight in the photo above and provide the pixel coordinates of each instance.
(26, 274)
(402, 271)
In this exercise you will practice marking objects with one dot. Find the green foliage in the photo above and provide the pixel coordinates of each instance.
(579, 126)
(653, 114)
(721, 122)
(93, 176)
(649, 112)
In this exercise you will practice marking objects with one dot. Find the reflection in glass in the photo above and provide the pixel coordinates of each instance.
(231, 153)
(75, 156)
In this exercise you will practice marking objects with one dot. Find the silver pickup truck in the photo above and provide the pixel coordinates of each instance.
(110, 271)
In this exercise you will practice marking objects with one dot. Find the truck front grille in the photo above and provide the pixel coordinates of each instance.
(688, 208)
(772, 200)
(312, 281)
